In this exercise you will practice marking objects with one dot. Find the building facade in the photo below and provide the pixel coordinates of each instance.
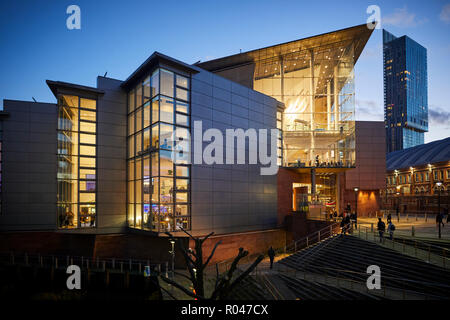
(418, 179)
(113, 150)
(314, 79)
(121, 157)
(405, 92)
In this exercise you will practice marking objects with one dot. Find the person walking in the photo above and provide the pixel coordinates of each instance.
(381, 227)
(389, 218)
(391, 229)
(348, 208)
(348, 223)
(271, 254)
(343, 225)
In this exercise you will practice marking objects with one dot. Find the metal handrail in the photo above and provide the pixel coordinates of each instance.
(312, 235)
(437, 284)
(340, 280)
(415, 241)
(58, 260)
(274, 292)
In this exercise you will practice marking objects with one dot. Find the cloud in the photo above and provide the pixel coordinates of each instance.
(438, 116)
(369, 106)
(368, 110)
(402, 18)
(445, 13)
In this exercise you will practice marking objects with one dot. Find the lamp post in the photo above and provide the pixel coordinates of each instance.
(356, 189)
(439, 185)
(172, 242)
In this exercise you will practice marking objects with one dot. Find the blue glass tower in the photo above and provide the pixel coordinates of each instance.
(405, 92)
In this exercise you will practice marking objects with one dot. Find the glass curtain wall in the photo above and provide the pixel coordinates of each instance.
(158, 189)
(317, 88)
(76, 196)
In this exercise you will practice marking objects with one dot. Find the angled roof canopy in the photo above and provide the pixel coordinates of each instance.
(154, 60)
(58, 85)
(432, 152)
(357, 34)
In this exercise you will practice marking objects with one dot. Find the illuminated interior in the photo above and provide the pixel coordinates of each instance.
(158, 189)
(76, 196)
(317, 88)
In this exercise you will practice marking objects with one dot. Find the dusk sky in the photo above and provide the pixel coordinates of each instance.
(117, 36)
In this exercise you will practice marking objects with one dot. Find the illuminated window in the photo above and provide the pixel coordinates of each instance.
(76, 173)
(158, 189)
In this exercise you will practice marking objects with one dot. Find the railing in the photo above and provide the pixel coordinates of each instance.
(58, 261)
(410, 215)
(420, 249)
(314, 237)
(270, 287)
(359, 285)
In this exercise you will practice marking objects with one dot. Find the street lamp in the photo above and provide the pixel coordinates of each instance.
(356, 189)
(439, 185)
(356, 205)
(172, 242)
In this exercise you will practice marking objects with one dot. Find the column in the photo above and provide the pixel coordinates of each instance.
(312, 104)
(336, 98)
(328, 105)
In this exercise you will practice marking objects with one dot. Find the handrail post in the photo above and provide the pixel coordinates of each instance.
(319, 236)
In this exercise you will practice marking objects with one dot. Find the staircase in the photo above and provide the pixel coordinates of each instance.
(347, 257)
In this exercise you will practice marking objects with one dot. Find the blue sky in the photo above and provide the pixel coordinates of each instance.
(117, 36)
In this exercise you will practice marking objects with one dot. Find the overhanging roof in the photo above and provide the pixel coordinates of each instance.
(358, 34)
(155, 59)
(432, 152)
(55, 85)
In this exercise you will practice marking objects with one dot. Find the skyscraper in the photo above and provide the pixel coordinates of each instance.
(405, 92)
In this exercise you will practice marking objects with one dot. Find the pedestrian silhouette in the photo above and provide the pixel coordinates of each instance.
(271, 254)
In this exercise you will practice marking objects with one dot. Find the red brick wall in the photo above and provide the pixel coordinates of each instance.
(369, 174)
(254, 242)
(369, 201)
(370, 170)
(285, 179)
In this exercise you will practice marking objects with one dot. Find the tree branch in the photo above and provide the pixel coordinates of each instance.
(212, 253)
(186, 291)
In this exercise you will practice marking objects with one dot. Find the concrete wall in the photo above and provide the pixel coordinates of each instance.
(231, 198)
(111, 153)
(29, 166)
(257, 242)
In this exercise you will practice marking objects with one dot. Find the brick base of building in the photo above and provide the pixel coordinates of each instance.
(150, 247)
